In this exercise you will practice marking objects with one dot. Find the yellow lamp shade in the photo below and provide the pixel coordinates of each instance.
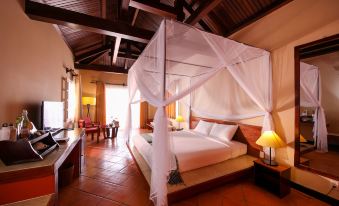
(302, 138)
(270, 139)
(88, 100)
(179, 118)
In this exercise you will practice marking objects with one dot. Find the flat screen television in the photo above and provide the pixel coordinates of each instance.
(52, 115)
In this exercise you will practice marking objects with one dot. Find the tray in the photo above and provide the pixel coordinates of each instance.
(24, 150)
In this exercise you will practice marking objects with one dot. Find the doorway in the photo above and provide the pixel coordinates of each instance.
(117, 106)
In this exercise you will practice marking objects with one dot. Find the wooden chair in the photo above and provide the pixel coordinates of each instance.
(90, 127)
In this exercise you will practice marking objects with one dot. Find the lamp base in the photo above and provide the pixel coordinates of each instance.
(271, 163)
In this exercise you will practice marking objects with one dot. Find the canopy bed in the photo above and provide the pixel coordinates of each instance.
(191, 65)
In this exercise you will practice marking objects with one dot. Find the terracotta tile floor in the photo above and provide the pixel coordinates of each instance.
(110, 177)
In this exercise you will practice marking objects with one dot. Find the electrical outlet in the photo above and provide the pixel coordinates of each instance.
(335, 184)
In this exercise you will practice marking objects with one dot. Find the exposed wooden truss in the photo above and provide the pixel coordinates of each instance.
(204, 8)
(91, 53)
(207, 23)
(154, 8)
(55, 15)
(113, 69)
(116, 50)
(117, 18)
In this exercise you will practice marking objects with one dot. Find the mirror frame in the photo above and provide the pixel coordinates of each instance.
(316, 48)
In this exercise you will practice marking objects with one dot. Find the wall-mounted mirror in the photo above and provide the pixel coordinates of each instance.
(317, 106)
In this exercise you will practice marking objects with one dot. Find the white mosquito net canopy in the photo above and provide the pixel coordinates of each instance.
(310, 96)
(224, 79)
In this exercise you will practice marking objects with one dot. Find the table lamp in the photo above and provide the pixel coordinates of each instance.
(272, 140)
(179, 119)
(302, 138)
(88, 101)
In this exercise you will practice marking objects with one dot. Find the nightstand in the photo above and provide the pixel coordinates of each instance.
(273, 178)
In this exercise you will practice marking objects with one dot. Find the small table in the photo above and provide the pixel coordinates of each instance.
(110, 131)
(274, 178)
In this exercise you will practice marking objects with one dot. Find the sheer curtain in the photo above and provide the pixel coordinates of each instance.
(178, 51)
(117, 105)
(100, 107)
(310, 89)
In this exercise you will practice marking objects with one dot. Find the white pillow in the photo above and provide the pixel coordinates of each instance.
(203, 127)
(224, 132)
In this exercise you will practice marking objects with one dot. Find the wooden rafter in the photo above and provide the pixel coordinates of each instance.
(91, 53)
(135, 16)
(154, 8)
(189, 9)
(93, 59)
(104, 15)
(55, 15)
(116, 50)
(113, 69)
(179, 7)
(204, 8)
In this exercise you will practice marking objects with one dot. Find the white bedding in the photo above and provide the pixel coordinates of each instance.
(194, 150)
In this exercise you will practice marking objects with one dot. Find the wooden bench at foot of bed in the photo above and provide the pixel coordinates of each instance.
(202, 179)
(206, 178)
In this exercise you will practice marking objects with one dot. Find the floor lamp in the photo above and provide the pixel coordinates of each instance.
(88, 101)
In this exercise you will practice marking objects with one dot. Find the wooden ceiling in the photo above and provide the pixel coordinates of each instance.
(108, 35)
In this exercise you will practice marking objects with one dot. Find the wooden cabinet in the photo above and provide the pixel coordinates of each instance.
(273, 178)
(33, 179)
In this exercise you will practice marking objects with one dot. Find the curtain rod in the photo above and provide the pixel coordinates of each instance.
(94, 82)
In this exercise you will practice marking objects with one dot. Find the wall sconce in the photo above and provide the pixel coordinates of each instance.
(72, 72)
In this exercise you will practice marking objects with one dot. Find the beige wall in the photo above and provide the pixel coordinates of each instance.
(31, 63)
(298, 22)
(89, 89)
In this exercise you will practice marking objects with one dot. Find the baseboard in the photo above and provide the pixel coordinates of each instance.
(315, 194)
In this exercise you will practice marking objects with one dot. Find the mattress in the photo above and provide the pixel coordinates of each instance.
(193, 150)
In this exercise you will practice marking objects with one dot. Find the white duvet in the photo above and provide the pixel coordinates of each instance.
(194, 150)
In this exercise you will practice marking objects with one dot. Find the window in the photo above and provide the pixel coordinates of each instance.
(69, 97)
(117, 105)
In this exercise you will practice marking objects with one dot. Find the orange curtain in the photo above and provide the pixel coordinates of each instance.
(143, 114)
(170, 109)
(100, 108)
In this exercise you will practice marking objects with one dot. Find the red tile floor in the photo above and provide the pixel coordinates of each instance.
(110, 177)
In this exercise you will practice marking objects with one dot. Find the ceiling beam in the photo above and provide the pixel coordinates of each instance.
(91, 53)
(102, 68)
(179, 7)
(93, 59)
(204, 8)
(135, 16)
(202, 23)
(154, 8)
(116, 50)
(75, 20)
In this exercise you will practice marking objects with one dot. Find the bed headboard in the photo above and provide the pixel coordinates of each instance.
(246, 134)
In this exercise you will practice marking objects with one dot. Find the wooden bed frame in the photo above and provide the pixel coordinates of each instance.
(246, 134)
